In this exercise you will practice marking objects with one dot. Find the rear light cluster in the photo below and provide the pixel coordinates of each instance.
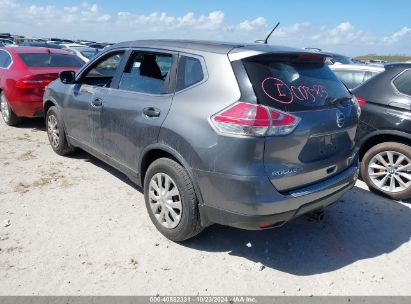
(254, 120)
(35, 81)
(361, 101)
(358, 103)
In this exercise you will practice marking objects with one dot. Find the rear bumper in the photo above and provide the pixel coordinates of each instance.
(29, 108)
(255, 204)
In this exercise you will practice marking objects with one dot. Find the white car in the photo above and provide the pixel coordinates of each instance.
(72, 45)
(5, 41)
(84, 52)
(352, 75)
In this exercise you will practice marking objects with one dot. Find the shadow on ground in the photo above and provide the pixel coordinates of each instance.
(361, 226)
(82, 155)
(32, 123)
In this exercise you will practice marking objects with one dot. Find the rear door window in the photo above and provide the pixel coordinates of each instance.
(43, 60)
(403, 82)
(294, 82)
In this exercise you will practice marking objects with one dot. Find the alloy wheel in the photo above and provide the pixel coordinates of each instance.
(53, 130)
(390, 171)
(165, 200)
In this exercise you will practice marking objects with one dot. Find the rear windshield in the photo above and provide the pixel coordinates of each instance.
(291, 84)
(40, 60)
(342, 59)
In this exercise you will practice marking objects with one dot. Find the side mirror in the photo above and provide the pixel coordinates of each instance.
(67, 77)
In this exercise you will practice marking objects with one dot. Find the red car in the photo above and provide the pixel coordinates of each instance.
(24, 73)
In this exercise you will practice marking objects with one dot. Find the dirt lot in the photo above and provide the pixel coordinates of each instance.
(72, 225)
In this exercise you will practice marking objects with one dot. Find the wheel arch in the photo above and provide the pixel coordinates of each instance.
(379, 137)
(5, 89)
(47, 105)
(156, 151)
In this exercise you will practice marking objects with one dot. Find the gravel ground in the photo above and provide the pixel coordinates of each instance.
(75, 226)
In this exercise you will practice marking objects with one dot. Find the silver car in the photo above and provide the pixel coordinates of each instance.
(352, 75)
(246, 135)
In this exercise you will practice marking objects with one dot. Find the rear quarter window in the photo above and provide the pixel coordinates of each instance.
(40, 60)
(290, 84)
(189, 72)
(403, 82)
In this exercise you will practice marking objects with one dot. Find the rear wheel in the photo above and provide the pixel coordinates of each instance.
(56, 133)
(7, 113)
(171, 201)
(386, 168)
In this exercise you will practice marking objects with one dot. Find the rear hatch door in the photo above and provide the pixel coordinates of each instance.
(322, 145)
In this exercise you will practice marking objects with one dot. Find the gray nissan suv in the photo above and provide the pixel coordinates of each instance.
(245, 135)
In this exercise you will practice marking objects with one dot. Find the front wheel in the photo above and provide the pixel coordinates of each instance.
(386, 168)
(56, 133)
(171, 201)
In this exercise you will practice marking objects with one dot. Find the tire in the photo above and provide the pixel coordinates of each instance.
(383, 170)
(56, 132)
(9, 117)
(183, 221)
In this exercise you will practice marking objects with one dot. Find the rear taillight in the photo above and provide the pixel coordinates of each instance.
(35, 81)
(361, 101)
(254, 120)
(356, 104)
(311, 57)
(282, 123)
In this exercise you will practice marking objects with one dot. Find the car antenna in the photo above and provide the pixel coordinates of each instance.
(268, 36)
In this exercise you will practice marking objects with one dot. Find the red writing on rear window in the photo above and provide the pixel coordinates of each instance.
(279, 91)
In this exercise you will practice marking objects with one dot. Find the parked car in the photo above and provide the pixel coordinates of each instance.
(377, 61)
(100, 45)
(6, 36)
(4, 42)
(384, 133)
(352, 75)
(59, 41)
(30, 43)
(85, 42)
(249, 136)
(83, 52)
(334, 57)
(71, 45)
(24, 73)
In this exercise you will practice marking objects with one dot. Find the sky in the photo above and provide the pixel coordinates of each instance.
(351, 27)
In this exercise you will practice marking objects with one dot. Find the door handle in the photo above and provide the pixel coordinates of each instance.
(151, 112)
(97, 102)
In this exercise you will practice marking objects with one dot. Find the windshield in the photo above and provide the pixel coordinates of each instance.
(291, 84)
(41, 60)
(89, 54)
